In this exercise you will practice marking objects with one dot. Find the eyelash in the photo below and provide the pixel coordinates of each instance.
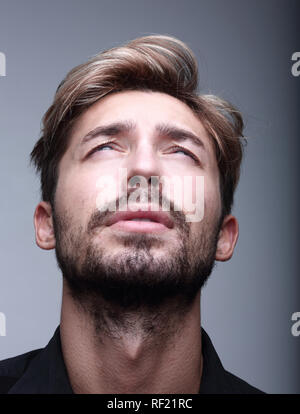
(99, 146)
(190, 154)
(187, 152)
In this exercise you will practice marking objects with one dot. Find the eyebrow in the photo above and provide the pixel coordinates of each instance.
(108, 130)
(168, 130)
(179, 134)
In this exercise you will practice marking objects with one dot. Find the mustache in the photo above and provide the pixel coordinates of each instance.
(99, 218)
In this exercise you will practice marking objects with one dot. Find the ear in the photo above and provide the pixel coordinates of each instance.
(228, 237)
(43, 223)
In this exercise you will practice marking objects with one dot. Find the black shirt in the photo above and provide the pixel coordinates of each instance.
(43, 371)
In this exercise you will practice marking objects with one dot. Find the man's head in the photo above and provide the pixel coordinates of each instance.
(142, 99)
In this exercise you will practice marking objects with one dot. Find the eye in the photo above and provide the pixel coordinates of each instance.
(186, 152)
(105, 146)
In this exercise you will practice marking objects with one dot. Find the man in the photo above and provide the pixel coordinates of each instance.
(133, 268)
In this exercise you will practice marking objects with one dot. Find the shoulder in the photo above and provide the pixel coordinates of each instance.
(216, 379)
(11, 369)
(235, 385)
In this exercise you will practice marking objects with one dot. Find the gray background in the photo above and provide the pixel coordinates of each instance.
(244, 50)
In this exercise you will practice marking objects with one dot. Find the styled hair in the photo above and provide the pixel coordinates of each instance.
(151, 63)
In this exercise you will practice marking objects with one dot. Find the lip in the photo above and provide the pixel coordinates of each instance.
(160, 221)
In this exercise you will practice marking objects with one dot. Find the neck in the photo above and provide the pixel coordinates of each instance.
(132, 352)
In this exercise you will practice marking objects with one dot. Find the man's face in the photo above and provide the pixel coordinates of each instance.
(130, 262)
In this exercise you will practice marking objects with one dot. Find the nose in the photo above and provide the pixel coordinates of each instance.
(144, 161)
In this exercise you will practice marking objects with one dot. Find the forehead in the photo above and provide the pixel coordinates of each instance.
(146, 109)
(127, 103)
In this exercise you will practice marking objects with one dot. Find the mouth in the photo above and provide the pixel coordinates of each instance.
(141, 221)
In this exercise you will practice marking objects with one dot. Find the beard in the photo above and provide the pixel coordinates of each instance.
(135, 280)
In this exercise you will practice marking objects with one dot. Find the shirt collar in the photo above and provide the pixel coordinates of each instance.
(47, 374)
(213, 378)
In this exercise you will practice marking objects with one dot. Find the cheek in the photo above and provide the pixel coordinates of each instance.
(76, 193)
(212, 208)
(109, 188)
(207, 202)
(198, 192)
